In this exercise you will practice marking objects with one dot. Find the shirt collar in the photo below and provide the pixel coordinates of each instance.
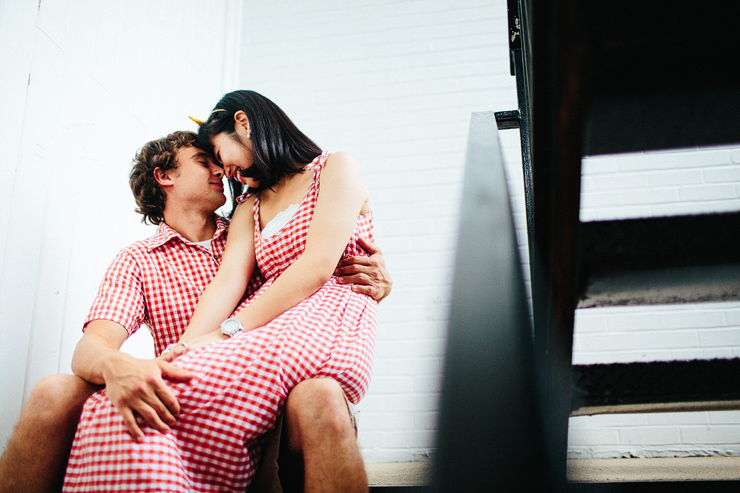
(165, 233)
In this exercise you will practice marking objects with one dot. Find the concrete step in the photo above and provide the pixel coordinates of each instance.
(414, 476)
(398, 473)
(671, 469)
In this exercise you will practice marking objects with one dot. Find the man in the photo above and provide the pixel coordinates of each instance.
(158, 281)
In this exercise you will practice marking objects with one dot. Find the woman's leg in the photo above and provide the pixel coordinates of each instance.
(235, 397)
(240, 389)
(105, 457)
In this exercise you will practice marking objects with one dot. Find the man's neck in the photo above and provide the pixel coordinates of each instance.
(193, 226)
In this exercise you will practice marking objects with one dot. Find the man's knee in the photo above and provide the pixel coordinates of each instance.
(317, 407)
(59, 397)
(318, 398)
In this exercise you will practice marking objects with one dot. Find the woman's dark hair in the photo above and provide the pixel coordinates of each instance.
(278, 147)
(162, 154)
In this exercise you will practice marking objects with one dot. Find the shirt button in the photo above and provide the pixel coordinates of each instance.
(216, 257)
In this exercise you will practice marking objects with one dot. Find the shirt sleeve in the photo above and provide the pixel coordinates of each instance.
(120, 296)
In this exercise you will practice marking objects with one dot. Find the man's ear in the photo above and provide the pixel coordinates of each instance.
(162, 177)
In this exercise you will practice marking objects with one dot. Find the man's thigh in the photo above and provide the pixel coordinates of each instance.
(59, 397)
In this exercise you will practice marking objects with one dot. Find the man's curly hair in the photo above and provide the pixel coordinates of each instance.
(162, 154)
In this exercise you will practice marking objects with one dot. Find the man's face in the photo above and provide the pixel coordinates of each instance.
(197, 182)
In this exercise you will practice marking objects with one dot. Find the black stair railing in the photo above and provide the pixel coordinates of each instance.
(607, 76)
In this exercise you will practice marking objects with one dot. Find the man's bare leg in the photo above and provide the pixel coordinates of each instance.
(37, 453)
(321, 433)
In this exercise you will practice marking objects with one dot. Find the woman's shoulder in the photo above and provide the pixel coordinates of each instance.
(246, 197)
(340, 157)
(341, 162)
(342, 171)
(243, 209)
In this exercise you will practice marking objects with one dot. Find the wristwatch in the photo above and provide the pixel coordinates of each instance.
(231, 327)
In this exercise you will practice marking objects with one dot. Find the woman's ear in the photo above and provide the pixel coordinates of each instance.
(241, 117)
(162, 177)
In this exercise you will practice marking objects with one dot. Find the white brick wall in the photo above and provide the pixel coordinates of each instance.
(394, 83)
(658, 184)
(391, 81)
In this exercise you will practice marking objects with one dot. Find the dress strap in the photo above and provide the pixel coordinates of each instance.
(319, 161)
(243, 197)
(317, 165)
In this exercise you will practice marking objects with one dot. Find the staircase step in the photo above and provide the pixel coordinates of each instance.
(682, 259)
(660, 469)
(386, 474)
(666, 386)
(676, 473)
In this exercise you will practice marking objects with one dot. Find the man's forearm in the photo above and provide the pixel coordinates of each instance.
(92, 358)
(97, 349)
(135, 386)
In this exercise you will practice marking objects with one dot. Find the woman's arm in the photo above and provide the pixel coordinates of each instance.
(227, 288)
(341, 199)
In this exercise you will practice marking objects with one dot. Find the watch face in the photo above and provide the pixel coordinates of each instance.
(231, 326)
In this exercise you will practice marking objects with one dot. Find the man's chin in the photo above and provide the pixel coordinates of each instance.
(218, 202)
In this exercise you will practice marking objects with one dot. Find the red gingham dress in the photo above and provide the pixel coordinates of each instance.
(241, 385)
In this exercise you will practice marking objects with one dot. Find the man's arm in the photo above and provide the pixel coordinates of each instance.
(135, 386)
(367, 274)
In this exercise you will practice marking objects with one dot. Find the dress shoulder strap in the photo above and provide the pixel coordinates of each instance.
(244, 197)
(319, 162)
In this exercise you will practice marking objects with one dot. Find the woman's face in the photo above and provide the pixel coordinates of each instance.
(234, 152)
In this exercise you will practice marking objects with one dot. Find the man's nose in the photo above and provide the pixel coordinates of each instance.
(218, 171)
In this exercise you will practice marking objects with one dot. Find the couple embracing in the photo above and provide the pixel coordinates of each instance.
(265, 321)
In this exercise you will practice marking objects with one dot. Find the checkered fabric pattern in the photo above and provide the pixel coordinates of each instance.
(158, 281)
(241, 386)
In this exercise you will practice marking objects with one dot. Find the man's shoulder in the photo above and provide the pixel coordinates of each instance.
(135, 252)
(138, 246)
(145, 245)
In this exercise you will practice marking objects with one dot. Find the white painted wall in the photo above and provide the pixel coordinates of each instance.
(84, 85)
(391, 81)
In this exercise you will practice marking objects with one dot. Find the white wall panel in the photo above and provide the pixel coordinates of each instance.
(17, 41)
(87, 83)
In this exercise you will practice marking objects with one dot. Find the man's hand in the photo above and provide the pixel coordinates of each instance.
(137, 388)
(368, 275)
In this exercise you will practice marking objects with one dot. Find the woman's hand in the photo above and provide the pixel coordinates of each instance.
(207, 339)
(172, 351)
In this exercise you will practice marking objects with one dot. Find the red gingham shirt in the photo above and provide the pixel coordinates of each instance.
(158, 281)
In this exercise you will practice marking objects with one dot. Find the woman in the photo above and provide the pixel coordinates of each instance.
(305, 210)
